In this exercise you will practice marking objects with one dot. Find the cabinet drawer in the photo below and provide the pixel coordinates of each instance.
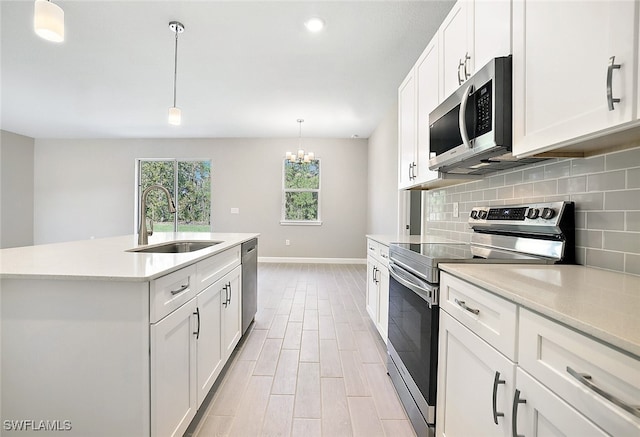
(489, 316)
(384, 254)
(169, 292)
(548, 349)
(213, 268)
(373, 248)
(378, 251)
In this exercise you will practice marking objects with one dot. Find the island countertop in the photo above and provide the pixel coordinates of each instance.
(600, 303)
(108, 258)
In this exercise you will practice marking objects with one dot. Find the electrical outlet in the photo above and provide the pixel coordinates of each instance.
(235, 210)
(456, 211)
(287, 242)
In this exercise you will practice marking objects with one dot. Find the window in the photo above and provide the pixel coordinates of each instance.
(301, 192)
(189, 182)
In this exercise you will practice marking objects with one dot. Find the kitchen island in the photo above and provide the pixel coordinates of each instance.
(99, 340)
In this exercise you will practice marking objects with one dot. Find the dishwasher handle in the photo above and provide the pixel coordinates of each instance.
(423, 289)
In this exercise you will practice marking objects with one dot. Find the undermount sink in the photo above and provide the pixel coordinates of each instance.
(176, 247)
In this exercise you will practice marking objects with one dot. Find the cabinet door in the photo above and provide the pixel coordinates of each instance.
(382, 322)
(372, 290)
(491, 31)
(208, 339)
(542, 413)
(428, 96)
(231, 311)
(407, 131)
(455, 35)
(561, 53)
(173, 370)
(467, 369)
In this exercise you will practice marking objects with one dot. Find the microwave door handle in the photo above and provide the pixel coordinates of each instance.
(462, 120)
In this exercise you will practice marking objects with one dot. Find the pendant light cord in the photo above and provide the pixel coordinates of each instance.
(175, 69)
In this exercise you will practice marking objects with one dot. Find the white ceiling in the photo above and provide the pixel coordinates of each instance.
(245, 69)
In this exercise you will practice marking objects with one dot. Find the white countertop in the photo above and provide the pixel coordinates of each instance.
(414, 239)
(108, 259)
(603, 304)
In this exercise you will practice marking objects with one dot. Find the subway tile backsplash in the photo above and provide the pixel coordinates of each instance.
(605, 189)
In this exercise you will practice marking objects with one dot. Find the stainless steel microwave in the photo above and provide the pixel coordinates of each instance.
(470, 132)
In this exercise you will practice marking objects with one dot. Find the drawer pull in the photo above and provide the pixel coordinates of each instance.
(496, 381)
(514, 413)
(197, 313)
(181, 289)
(464, 306)
(586, 380)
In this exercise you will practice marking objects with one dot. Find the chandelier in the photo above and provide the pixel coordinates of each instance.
(300, 156)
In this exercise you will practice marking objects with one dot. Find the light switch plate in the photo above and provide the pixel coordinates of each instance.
(235, 210)
(456, 211)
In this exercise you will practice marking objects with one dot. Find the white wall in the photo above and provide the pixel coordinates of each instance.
(382, 215)
(85, 188)
(16, 190)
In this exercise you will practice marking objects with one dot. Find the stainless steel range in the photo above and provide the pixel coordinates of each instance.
(533, 233)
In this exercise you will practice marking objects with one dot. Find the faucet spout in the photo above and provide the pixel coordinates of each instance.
(143, 232)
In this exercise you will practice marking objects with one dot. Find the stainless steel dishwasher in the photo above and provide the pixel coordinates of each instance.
(249, 282)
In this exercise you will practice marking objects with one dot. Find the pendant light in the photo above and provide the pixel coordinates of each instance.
(175, 114)
(300, 156)
(48, 20)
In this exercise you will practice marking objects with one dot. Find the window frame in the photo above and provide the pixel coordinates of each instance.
(138, 186)
(283, 220)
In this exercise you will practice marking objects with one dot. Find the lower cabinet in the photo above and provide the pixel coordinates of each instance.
(377, 294)
(189, 347)
(475, 391)
(560, 381)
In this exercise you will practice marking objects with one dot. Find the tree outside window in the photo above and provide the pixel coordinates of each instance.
(189, 183)
(301, 192)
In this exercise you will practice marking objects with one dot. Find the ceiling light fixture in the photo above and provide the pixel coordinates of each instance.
(314, 24)
(48, 20)
(175, 114)
(301, 156)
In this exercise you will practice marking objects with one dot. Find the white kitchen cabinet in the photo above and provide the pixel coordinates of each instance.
(173, 370)
(540, 412)
(407, 131)
(473, 33)
(476, 386)
(562, 52)
(427, 73)
(540, 395)
(209, 339)
(231, 318)
(377, 293)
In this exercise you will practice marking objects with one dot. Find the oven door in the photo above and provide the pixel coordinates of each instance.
(413, 344)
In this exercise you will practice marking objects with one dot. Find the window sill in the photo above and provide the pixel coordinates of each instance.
(300, 222)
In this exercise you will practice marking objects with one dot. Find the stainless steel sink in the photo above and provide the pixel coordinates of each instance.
(175, 247)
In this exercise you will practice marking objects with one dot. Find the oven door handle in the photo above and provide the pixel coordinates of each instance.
(427, 292)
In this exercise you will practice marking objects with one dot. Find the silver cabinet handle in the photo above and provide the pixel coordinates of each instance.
(586, 380)
(229, 292)
(467, 58)
(197, 313)
(463, 305)
(514, 414)
(181, 289)
(225, 302)
(612, 66)
(460, 65)
(384, 255)
(496, 381)
(462, 120)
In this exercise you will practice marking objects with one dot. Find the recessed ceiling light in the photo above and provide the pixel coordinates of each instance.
(314, 24)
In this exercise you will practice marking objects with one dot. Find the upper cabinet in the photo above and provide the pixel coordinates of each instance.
(574, 74)
(474, 32)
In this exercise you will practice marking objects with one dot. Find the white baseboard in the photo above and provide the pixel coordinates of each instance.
(295, 260)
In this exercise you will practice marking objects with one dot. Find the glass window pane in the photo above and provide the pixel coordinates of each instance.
(301, 205)
(194, 196)
(158, 173)
(302, 174)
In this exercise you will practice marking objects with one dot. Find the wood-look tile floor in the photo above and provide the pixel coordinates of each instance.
(311, 365)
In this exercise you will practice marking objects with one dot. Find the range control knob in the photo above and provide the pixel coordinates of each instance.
(548, 213)
(482, 214)
(474, 214)
(533, 213)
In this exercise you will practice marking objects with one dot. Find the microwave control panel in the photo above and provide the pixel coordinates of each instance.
(483, 109)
